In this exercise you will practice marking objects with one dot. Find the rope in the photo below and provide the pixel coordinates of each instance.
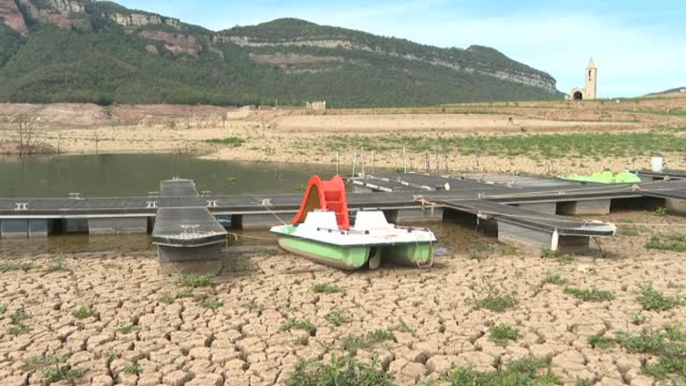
(265, 204)
(237, 236)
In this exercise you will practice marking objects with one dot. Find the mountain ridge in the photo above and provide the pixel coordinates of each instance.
(288, 59)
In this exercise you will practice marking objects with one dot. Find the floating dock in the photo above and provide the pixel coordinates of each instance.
(402, 197)
(189, 239)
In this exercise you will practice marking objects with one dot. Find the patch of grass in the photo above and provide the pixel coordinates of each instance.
(3, 309)
(403, 327)
(496, 301)
(503, 333)
(653, 300)
(84, 313)
(666, 343)
(327, 288)
(52, 368)
(185, 294)
(12, 266)
(296, 324)
(626, 230)
(601, 342)
(584, 382)
(523, 372)
(212, 304)
(253, 305)
(19, 316)
(112, 266)
(590, 295)
(39, 362)
(165, 298)
(672, 242)
(353, 343)
(638, 319)
(475, 254)
(335, 318)
(564, 259)
(56, 265)
(344, 371)
(132, 368)
(553, 278)
(128, 329)
(674, 285)
(193, 280)
(230, 141)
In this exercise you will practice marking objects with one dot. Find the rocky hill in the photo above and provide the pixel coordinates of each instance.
(680, 90)
(87, 51)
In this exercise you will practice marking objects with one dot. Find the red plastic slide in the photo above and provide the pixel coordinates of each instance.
(325, 195)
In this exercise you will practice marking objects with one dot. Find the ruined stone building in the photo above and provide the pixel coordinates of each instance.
(590, 91)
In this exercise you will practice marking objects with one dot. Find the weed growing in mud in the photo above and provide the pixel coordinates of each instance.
(56, 265)
(230, 141)
(17, 319)
(601, 342)
(638, 319)
(584, 382)
(296, 324)
(11, 266)
(339, 371)
(660, 212)
(193, 280)
(625, 230)
(503, 333)
(166, 298)
(53, 369)
(553, 278)
(590, 295)
(475, 254)
(352, 343)
(84, 313)
(335, 318)
(212, 304)
(403, 327)
(128, 329)
(674, 285)
(132, 368)
(653, 300)
(185, 294)
(3, 309)
(326, 288)
(496, 301)
(253, 305)
(112, 266)
(668, 344)
(565, 259)
(673, 242)
(522, 372)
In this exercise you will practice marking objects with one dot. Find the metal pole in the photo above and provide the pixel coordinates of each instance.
(354, 161)
(373, 161)
(438, 165)
(405, 159)
(428, 163)
(338, 164)
(362, 161)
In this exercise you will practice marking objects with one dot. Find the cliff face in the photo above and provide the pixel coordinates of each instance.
(12, 17)
(286, 59)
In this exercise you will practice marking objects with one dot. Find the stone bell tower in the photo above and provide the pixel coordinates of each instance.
(591, 80)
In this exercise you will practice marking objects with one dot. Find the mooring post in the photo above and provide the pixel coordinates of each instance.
(373, 161)
(362, 161)
(428, 163)
(354, 161)
(405, 159)
(338, 164)
(438, 165)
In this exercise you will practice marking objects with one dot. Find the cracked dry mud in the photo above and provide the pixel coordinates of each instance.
(430, 312)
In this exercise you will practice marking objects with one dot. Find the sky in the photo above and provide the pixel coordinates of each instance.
(639, 46)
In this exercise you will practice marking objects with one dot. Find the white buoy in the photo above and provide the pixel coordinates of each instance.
(657, 163)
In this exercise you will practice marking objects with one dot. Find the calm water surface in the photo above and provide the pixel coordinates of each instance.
(111, 175)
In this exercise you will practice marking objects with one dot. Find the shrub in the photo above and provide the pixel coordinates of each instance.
(335, 318)
(212, 304)
(230, 141)
(600, 341)
(12, 266)
(296, 324)
(83, 313)
(132, 368)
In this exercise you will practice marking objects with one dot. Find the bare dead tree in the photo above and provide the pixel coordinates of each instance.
(27, 132)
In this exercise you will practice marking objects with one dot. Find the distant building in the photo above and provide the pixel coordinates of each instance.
(590, 91)
(317, 105)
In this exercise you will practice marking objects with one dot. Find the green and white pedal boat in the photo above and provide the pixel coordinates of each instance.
(371, 240)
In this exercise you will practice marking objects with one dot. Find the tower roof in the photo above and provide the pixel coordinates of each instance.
(591, 63)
